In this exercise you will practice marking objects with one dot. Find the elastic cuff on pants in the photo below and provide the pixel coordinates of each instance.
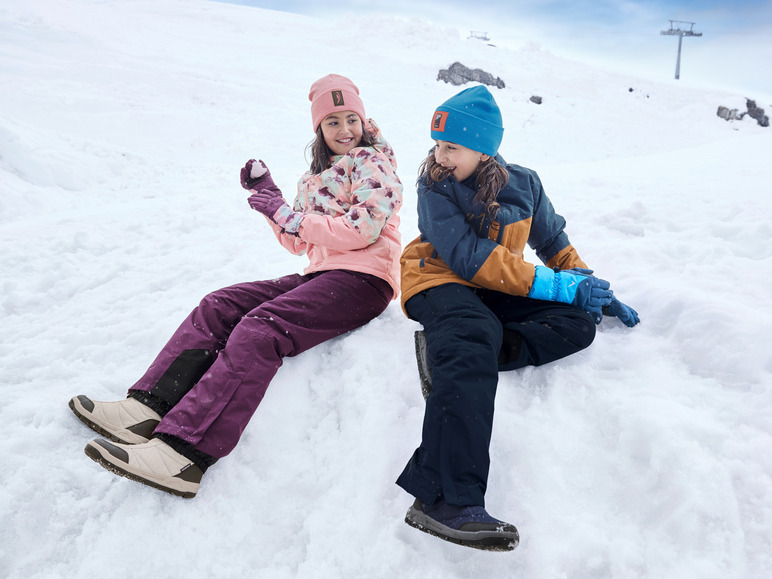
(153, 402)
(200, 459)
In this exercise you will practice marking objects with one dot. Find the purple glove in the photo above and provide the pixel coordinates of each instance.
(276, 209)
(255, 175)
(265, 202)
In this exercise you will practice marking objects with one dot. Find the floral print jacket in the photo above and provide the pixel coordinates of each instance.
(350, 214)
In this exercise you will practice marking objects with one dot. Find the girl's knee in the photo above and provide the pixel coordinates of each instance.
(463, 334)
(585, 330)
(212, 303)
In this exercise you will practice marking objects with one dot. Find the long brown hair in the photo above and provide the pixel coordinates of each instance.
(491, 178)
(321, 155)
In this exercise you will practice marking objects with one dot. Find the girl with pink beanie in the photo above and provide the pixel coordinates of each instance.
(196, 398)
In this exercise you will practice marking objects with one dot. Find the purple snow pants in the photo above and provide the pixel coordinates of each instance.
(215, 369)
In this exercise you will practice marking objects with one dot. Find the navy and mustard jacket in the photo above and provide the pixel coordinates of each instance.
(461, 243)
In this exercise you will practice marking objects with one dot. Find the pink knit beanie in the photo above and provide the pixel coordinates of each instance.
(333, 93)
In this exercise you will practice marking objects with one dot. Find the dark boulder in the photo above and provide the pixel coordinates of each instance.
(757, 113)
(458, 74)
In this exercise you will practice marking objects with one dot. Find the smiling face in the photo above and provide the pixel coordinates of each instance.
(342, 131)
(461, 161)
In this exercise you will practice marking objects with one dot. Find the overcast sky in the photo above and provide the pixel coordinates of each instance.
(735, 51)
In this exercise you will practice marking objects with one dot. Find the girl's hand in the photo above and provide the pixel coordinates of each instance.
(256, 175)
(276, 209)
(625, 313)
(265, 202)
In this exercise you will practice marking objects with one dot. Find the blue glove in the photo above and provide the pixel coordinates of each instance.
(626, 314)
(581, 270)
(572, 286)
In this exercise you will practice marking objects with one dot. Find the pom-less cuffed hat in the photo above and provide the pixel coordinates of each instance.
(471, 119)
(334, 93)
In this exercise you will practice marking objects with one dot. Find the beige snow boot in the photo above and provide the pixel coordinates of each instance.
(153, 463)
(127, 421)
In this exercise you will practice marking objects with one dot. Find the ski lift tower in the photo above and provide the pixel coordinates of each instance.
(675, 29)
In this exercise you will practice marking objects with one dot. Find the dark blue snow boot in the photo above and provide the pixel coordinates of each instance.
(469, 526)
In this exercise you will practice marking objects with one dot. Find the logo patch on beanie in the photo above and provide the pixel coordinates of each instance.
(337, 98)
(440, 118)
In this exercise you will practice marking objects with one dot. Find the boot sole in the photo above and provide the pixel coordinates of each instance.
(104, 432)
(94, 454)
(483, 540)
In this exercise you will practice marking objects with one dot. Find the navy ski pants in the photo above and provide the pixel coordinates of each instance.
(471, 335)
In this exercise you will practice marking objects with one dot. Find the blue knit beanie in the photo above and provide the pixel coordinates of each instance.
(471, 119)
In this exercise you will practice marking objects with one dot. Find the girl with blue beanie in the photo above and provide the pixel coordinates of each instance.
(484, 309)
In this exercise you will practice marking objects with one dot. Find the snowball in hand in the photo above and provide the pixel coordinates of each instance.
(258, 170)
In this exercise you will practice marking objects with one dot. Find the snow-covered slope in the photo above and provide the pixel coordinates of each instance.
(123, 126)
